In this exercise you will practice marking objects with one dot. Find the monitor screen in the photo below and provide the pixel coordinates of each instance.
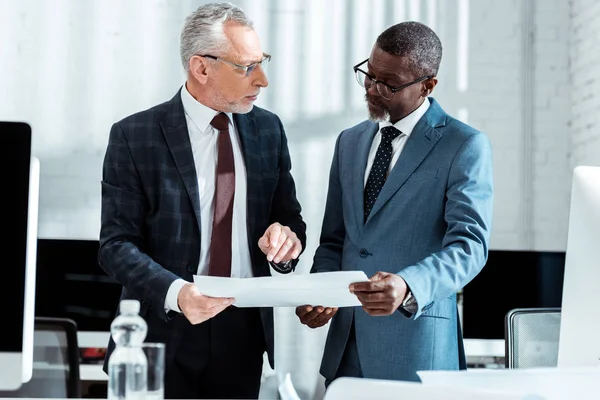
(86, 294)
(14, 175)
(510, 279)
(580, 319)
(19, 174)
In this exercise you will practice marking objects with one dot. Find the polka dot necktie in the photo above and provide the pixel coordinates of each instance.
(380, 167)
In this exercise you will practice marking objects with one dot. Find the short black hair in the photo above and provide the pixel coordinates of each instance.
(415, 41)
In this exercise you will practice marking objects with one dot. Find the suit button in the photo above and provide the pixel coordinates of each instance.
(363, 253)
(190, 269)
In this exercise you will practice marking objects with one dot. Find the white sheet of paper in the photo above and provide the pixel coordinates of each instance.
(548, 383)
(327, 289)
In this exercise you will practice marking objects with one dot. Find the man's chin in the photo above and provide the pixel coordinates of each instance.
(242, 108)
(378, 114)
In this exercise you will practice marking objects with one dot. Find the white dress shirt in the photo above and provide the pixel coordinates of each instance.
(406, 126)
(203, 138)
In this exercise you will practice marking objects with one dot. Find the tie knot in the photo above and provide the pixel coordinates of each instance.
(389, 133)
(220, 122)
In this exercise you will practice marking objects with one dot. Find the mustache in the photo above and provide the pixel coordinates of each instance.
(373, 101)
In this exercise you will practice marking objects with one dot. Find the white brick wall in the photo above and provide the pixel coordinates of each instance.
(585, 82)
(550, 175)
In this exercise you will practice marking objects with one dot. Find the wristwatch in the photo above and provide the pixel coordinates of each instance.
(283, 267)
(409, 303)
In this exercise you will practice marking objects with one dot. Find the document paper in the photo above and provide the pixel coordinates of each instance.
(327, 289)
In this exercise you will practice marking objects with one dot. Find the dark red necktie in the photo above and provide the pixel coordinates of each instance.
(220, 243)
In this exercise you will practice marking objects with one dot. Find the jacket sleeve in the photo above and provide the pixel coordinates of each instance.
(468, 215)
(123, 229)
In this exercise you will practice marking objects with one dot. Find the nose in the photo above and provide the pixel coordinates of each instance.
(372, 90)
(260, 78)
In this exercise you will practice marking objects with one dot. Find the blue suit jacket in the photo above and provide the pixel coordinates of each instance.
(150, 232)
(430, 224)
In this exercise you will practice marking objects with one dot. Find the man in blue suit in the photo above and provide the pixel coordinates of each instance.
(410, 203)
(201, 184)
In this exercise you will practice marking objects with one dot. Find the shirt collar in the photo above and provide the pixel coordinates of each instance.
(408, 123)
(200, 114)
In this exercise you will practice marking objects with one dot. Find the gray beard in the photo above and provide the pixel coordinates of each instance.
(379, 118)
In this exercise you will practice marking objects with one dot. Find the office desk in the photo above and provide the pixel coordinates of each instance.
(475, 349)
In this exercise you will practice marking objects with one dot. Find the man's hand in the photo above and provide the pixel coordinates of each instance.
(280, 244)
(315, 317)
(382, 294)
(198, 308)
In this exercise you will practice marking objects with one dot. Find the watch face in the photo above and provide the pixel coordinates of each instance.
(409, 299)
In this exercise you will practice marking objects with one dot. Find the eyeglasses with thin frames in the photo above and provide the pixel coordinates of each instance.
(386, 91)
(247, 69)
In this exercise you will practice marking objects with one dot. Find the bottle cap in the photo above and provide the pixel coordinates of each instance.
(129, 307)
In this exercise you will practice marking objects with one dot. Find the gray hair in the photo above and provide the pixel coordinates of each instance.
(203, 30)
(415, 41)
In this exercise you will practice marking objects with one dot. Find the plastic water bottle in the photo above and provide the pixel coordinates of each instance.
(128, 366)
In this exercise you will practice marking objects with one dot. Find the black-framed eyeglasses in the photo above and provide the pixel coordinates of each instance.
(386, 91)
(247, 69)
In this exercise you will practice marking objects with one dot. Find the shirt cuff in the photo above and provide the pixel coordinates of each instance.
(172, 294)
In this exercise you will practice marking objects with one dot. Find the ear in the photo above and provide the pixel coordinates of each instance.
(429, 85)
(199, 69)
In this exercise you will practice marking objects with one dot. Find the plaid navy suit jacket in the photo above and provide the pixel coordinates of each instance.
(150, 227)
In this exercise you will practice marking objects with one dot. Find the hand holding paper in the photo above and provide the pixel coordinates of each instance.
(197, 307)
(315, 317)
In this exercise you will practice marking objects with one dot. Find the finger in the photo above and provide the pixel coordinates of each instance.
(275, 231)
(368, 286)
(297, 249)
(283, 235)
(274, 243)
(378, 276)
(301, 310)
(322, 319)
(282, 254)
(210, 302)
(263, 243)
(325, 316)
(309, 316)
(373, 297)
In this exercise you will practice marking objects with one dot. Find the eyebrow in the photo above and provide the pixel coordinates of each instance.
(250, 62)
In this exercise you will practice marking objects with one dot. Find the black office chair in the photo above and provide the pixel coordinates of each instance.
(531, 337)
(55, 361)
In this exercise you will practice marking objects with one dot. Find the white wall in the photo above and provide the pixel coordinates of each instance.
(523, 71)
(585, 82)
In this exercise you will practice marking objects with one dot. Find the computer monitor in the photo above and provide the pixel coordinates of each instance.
(19, 176)
(579, 344)
(510, 279)
(88, 295)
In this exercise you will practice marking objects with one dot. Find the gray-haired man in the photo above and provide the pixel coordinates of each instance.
(201, 184)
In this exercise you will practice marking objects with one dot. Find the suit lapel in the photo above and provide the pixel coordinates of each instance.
(246, 128)
(423, 138)
(244, 124)
(363, 145)
(175, 131)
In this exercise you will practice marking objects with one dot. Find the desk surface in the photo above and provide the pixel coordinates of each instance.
(473, 347)
(93, 372)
